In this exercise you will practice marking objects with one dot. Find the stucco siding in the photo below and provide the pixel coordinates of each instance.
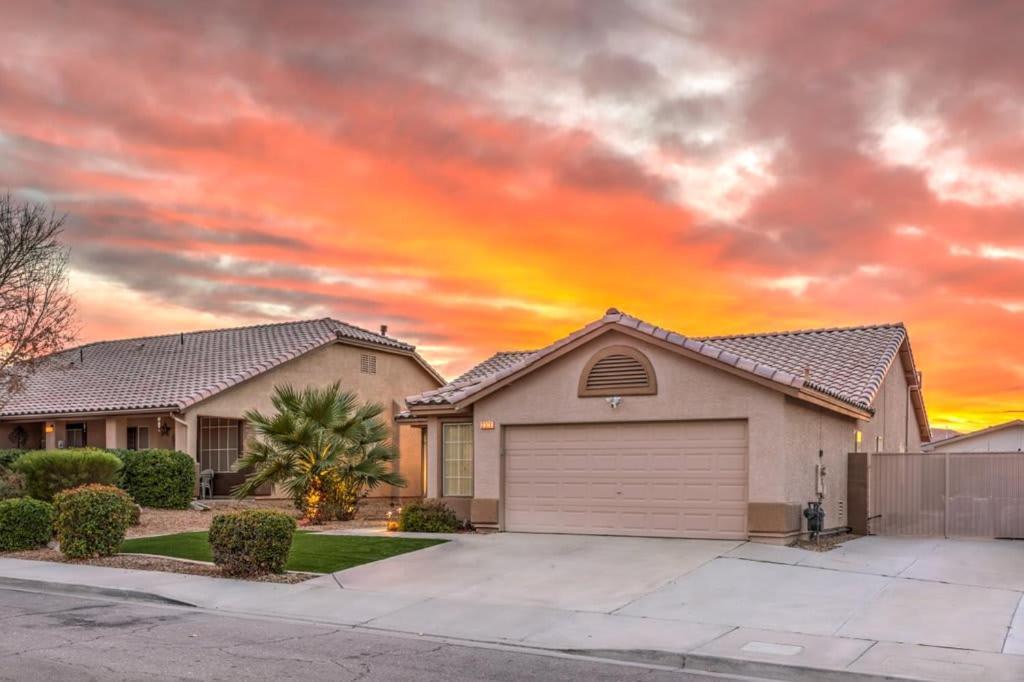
(894, 427)
(396, 377)
(686, 390)
(811, 429)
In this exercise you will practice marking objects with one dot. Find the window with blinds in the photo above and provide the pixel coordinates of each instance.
(457, 456)
(618, 370)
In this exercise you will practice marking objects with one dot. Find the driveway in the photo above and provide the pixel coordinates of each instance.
(878, 602)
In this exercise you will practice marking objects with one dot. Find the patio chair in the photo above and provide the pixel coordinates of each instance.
(206, 484)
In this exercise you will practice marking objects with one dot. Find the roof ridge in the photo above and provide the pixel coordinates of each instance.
(245, 327)
(811, 330)
(199, 331)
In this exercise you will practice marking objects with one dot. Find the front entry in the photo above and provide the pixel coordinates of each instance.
(656, 479)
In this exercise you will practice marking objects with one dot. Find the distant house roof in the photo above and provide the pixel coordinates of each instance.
(844, 364)
(973, 434)
(177, 370)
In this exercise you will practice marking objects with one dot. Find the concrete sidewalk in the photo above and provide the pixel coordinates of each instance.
(731, 609)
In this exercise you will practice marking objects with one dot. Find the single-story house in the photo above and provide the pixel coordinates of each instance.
(1008, 437)
(624, 428)
(190, 391)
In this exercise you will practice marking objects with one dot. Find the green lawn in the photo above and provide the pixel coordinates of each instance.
(311, 552)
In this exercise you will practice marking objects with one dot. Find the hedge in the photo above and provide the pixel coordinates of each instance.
(25, 524)
(47, 472)
(9, 456)
(427, 517)
(251, 542)
(91, 520)
(164, 479)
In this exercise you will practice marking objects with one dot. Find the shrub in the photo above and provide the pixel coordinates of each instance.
(252, 542)
(11, 485)
(427, 517)
(25, 524)
(91, 520)
(9, 457)
(164, 479)
(47, 472)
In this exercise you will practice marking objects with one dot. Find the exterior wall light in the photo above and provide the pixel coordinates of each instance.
(487, 425)
(49, 427)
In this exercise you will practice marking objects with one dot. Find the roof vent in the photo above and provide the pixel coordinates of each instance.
(617, 371)
(383, 330)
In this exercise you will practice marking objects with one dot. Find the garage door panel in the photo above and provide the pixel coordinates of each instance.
(672, 479)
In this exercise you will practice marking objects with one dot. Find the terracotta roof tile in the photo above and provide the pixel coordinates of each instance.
(175, 370)
(848, 364)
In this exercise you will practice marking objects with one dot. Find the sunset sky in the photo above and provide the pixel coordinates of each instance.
(487, 176)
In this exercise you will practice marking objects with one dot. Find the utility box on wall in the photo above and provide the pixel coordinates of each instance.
(857, 492)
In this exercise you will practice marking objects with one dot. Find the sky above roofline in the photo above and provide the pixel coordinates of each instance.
(483, 176)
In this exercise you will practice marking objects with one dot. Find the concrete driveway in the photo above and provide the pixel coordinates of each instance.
(880, 603)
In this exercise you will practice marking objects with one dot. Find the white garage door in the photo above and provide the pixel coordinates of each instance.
(659, 479)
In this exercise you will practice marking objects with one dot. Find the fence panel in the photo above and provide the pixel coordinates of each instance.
(907, 494)
(947, 494)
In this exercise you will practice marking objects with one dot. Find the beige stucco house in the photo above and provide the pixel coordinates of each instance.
(624, 428)
(190, 391)
(1006, 437)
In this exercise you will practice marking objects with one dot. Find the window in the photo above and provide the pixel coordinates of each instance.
(138, 437)
(457, 452)
(367, 364)
(618, 370)
(75, 435)
(219, 441)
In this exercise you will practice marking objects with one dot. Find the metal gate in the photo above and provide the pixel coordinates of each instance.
(946, 494)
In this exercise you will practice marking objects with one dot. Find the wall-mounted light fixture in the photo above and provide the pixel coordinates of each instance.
(487, 425)
(49, 427)
(614, 401)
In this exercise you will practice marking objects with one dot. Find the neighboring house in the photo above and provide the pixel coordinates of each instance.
(941, 434)
(623, 428)
(1008, 437)
(190, 391)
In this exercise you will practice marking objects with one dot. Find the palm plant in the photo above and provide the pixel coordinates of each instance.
(323, 446)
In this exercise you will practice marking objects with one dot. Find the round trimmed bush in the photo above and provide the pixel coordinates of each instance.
(25, 524)
(92, 520)
(164, 479)
(251, 542)
(47, 472)
(428, 516)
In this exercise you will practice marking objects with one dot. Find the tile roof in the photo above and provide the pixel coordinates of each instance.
(848, 364)
(496, 363)
(176, 370)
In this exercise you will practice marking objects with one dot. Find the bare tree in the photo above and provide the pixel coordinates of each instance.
(37, 314)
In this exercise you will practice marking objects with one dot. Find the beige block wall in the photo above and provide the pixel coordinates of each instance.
(397, 376)
(686, 390)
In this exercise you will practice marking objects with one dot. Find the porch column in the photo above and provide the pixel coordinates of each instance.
(433, 482)
(50, 435)
(117, 433)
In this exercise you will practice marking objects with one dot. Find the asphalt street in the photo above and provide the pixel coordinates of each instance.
(61, 637)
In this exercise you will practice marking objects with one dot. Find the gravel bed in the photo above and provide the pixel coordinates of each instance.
(168, 521)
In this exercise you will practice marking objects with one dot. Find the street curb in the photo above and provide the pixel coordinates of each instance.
(755, 670)
(89, 590)
(761, 670)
